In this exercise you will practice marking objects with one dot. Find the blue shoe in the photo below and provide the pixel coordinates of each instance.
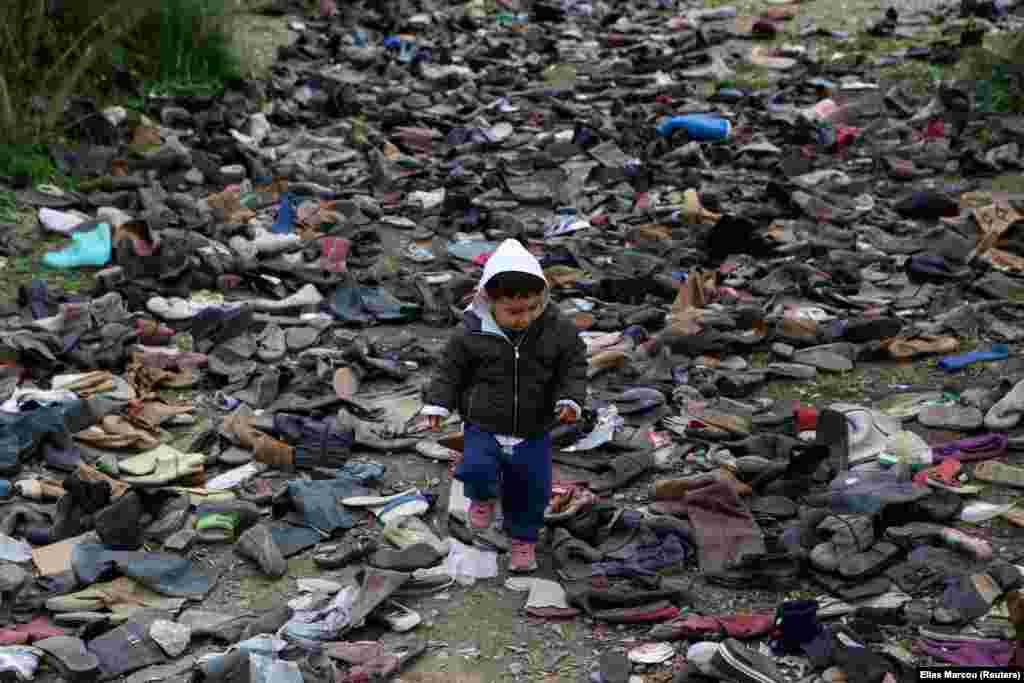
(407, 52)
(91, 248)
(285, 217)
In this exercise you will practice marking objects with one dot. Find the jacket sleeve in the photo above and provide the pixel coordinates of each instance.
(571, 383)
(451, 377)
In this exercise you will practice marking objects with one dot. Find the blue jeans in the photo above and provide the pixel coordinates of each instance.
(525, 476)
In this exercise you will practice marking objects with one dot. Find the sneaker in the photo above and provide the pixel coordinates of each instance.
(523, 557)
(481, 514)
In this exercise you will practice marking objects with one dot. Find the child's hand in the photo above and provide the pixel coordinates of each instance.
(567, 416)
(435, 422)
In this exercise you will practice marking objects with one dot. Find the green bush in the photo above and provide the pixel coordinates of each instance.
(26, 162)
(70, 47)
(996, 72)
(194, 44)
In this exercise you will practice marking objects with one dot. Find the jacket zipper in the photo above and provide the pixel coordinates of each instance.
(515, 383)
(515, 415)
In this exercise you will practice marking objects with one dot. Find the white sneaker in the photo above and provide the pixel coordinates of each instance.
(309, 295)
(272, 243)
(116, 217)
(59, 221)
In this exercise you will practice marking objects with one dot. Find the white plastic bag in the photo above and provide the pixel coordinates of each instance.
(466, 564)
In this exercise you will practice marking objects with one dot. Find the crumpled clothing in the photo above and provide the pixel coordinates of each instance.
(968, 652)
(466, 564)
(317, 501)
(648, 559)
(312, 627)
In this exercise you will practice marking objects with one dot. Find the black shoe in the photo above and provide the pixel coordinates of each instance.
(348, 551)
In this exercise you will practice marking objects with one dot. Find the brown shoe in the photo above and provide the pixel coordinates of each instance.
(155, 413)
(241, 428)
(91, 474)
(802, 329)
(606, 360)
(905, 347)
(270, 451)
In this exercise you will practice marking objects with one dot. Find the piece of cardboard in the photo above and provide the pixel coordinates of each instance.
(55, 558)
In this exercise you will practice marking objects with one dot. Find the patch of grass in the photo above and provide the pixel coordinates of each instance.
(261, 593)
(481, 619)
(180, 88)
(760, 360)
(8, 208)
(26, 163)
(968, 344)
(750, 77)
(194, 45)
(256, 38)
(828, 387)
(21, 270)
(917, 76)
(1012, 183)
(904, 374)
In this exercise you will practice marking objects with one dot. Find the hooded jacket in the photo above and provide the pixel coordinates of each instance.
(504, 387)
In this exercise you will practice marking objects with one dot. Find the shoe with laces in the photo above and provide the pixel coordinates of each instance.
(523, 557)
(481, 514)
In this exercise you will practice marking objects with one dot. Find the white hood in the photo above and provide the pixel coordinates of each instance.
(510, 256)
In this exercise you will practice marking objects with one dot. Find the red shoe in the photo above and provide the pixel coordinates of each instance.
(524, 557)
(481, 514)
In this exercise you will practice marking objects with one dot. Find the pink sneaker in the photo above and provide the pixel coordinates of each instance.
(481, 514)
(524, 557)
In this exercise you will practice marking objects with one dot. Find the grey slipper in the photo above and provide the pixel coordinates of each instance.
(272, 344)
(301, 338)
(416, 556)
(71, 654)
(258, 545)
(792, 370)
(823, 359)
(235, 456)
(864, 564)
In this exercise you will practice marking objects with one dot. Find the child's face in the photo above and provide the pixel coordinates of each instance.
(516, 313)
